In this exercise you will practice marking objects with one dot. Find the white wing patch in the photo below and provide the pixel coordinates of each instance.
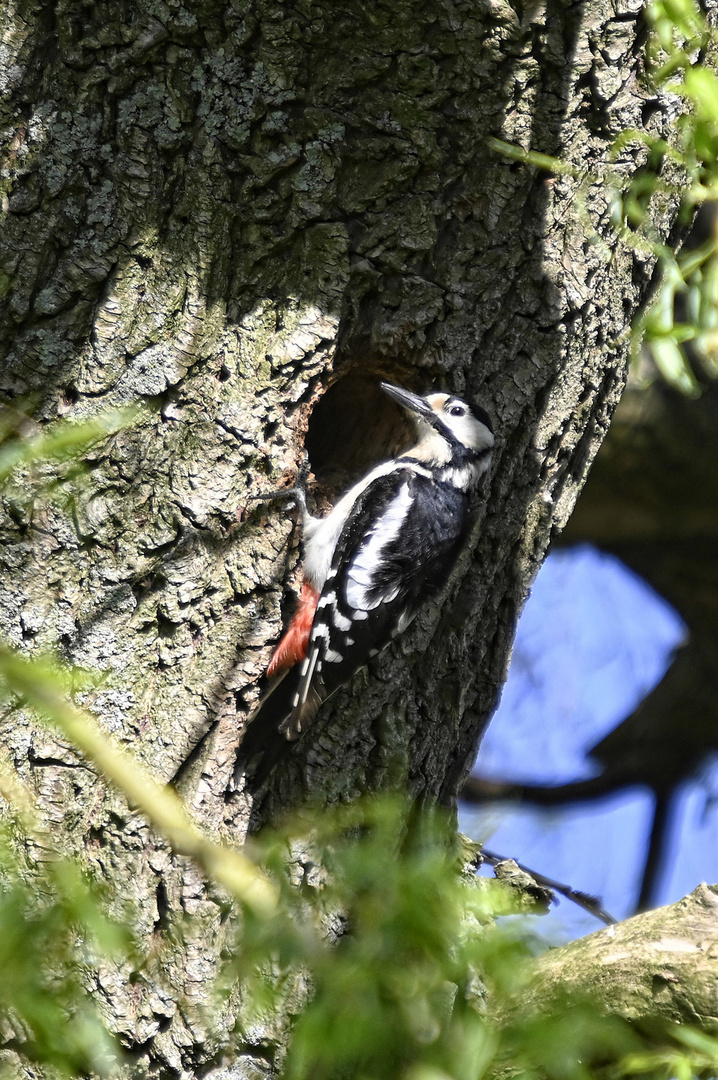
(322, 534)
(360, 575)
(341, 622)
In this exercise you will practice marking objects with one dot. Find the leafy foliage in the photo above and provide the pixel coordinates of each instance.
(24, 443)
(695, 1053)
(393, 960)
(52, 932)
(681, 327)
(397, 945)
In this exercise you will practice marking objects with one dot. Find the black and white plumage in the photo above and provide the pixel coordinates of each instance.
(386, 548)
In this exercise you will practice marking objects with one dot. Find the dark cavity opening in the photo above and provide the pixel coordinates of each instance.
(353, 428)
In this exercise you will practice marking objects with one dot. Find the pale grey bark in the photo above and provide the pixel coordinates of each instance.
(222, 211)
(653, 970)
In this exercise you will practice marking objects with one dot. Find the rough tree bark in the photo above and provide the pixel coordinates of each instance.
(241, 215)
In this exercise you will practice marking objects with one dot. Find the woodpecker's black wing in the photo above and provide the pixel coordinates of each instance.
(396, 550)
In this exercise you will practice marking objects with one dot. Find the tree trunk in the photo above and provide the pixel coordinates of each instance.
(242, 216)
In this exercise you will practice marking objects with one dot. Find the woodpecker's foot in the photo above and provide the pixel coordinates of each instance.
(298, 493)
(283, 493)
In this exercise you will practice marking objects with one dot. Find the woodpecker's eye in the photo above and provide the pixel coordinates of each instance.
(456, 410)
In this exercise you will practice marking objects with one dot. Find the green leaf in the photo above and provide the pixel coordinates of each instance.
(673, 366)
(700, 86)
(61, 440)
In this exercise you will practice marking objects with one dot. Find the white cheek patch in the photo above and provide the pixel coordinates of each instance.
(470, 432)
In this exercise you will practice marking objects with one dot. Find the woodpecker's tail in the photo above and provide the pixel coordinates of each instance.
(263, 745)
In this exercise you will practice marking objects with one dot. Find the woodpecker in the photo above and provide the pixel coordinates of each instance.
(387, 547)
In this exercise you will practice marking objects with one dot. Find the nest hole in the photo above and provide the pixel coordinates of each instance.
(352, 428)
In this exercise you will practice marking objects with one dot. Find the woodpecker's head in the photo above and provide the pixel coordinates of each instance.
(452, 433)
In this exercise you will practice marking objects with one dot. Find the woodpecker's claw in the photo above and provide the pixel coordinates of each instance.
(297, 493)
(284, 493)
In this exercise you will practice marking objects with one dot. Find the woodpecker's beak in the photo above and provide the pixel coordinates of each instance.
(410, 401)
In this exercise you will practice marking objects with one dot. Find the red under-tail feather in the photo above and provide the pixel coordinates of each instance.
(293, 646)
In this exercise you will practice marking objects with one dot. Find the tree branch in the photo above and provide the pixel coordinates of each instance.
(662, 965)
